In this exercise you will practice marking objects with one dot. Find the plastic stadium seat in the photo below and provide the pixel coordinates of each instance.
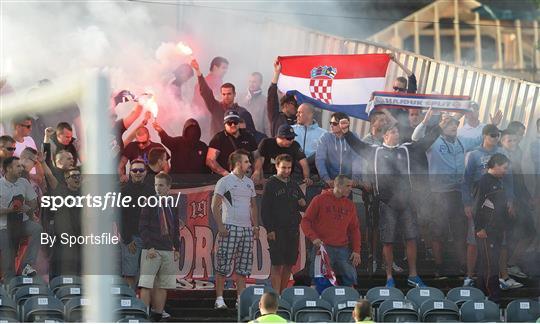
(312, 310)
(132, 320)
(61, 281)
(292, 294)
(74, 309)
(377, 295)
(26, 292)
(130, 307)
(343, 310)
(480, 311)
(3, 292)
(460, 295)
(284, 310)
(398, 311)
(247, 297)
(420, 295)
(522, 310)
(334, 294)
(65, 293)
(122, 291)
(42, 308)
(20, 281)
(8, 319)
(439, 310)
(8, 308)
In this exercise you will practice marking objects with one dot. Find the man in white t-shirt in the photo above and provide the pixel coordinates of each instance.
(235, 212)
(472, 127)
(22, 128)
(17, 202)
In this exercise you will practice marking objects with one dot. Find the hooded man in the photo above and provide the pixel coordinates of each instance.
(188, 152)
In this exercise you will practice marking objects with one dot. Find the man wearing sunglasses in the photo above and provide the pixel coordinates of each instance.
(22, 128)
(476, 166)
(7, 148)
(403, 85)
(131, 246)
(227, 141)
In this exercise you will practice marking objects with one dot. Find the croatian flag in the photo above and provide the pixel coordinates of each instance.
(341, 83)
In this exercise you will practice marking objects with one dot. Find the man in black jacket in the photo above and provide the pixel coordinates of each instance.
(188, 153)
(491, 218)
(280, 111)
(281, 204)
(159, 227)
(131, 246)
(392, 164)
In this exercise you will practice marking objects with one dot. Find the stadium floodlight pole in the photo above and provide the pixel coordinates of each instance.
(92, 90)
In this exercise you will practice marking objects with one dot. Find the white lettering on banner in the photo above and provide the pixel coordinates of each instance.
(422, 102)
(198, 255)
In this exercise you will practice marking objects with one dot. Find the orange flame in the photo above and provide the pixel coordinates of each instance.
(184, 49)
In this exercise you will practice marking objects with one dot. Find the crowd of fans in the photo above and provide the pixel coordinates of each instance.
(408, 165)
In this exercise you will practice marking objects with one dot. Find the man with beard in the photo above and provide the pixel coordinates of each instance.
(255, 102)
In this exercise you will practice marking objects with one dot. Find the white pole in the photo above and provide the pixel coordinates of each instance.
(98, 260)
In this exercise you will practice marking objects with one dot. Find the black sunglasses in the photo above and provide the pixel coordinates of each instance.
(334, 123)
(494, 135)
(75, 176)
(232, 122)
(138, 170)
(11, 149)
(27, 126)
(399, 89)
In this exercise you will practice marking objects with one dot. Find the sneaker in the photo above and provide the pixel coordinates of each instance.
(515, 271)
(468, 282)
(509, 284)
(390, 283)
(437, 274)
(416, 282)
(395, 268)
(220, 303)
(29, 271)
(164, 314)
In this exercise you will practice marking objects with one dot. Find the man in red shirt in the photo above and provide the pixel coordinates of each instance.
(329, 216)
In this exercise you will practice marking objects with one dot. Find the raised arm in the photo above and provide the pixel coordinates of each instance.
(206, 93)
(272, 103)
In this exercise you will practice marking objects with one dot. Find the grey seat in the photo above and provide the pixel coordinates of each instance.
(126, 307)
(439, 310)
(284, 310)
(16, 282)
(312, 310)
(480, 311)
(292, 294)
(74, 307)
(8, 308)
(398, 311)
(42, 308)
(247, 297)
(61, 281)
(420, 295)
(460, 295)
(522, 310)
(377, 295)
(65, 293)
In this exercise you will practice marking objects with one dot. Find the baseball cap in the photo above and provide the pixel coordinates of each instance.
(490, 129)
(286, 131)
(231, 115)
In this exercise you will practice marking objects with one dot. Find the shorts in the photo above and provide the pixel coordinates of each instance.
(390, 219)
(284, 249)
(238, 247)
(449, 220)
(131, 261)
(159, 272)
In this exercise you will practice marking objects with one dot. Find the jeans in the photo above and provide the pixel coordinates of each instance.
(9, 247)
(340, 263)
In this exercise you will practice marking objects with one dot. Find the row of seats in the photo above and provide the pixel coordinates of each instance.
(465, 304)
(30, 299)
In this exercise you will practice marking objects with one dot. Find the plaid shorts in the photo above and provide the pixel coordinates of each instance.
(238, 247)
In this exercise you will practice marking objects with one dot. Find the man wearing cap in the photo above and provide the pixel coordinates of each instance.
(475, 167)
(270, 148)
(282, 111)
(446, 160)
(227, 141)
(218, 108)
